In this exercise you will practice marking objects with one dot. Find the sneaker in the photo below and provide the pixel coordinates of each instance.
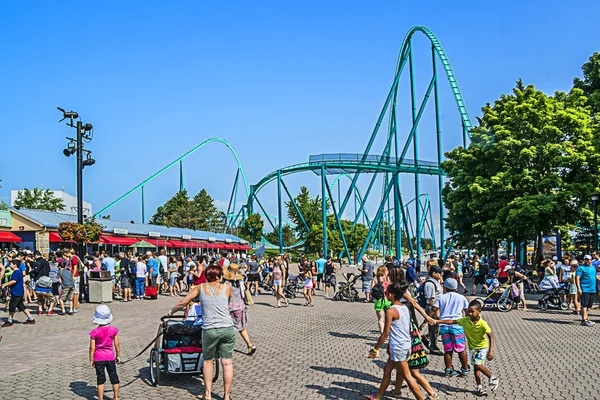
(451, 373)
(494, 382)
(7, 324)
(70, 312)
(76, 310)
(30, 322)
(50, 313)
(464, 372)
(587, 323)
(62, 313)
(480, 391)
(40, 312)
(434, 396)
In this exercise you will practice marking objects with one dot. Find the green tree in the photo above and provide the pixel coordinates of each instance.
(314, 239)
(287, 233)
(309, 207)
(590, 84)
(208, 217)
(3, 205)
(252, 229)
(38, 199)
(529, 169)
(173, 206)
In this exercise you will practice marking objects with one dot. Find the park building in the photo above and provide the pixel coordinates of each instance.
(38, 230)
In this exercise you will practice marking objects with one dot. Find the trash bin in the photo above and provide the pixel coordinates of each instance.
(100, 287)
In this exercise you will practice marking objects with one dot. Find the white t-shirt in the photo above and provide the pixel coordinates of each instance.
(451, 305)
(140, 270)
(163, 263)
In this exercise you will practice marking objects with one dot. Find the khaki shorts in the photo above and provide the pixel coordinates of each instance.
(218, 343)
(44, 297)
(67, 294)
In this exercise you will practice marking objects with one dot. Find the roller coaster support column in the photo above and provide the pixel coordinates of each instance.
(397, 217)
(375, 131)
(416, 152)
(324, 209)
(143, 216)
(295, 206)
(181, 187)
(279, 211)
(337, 220)
(439, 153)
(374, 224)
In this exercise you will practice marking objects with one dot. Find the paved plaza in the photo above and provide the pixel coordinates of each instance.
(303, 353)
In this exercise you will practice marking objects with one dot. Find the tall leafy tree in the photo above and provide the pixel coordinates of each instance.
(309, 207)
(590, 84)
(253, 228)
(39, 199)
(208, 217)
(529, 169)
(177, 203)
(287, 233)
(3, 205)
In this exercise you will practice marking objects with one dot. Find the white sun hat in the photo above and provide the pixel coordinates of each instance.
(102, 315)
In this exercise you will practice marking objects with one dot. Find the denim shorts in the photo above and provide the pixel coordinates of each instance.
(399, 354)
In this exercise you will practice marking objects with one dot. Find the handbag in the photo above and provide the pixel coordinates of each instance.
(248, 298)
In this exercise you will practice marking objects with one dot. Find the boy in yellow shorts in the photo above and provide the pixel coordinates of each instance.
(479, 337)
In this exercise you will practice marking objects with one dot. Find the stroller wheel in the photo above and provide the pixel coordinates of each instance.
(154, 367)
(542, 305)
(480, 301)
(564, 306)
(505, 304)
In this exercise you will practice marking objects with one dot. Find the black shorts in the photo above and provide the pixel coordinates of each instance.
(111, 367)
(319, 277)
(503, 280)
(16, 303)
(56, 289)
(479, 280)
(587, 300)
(253, 277)
(330, 281)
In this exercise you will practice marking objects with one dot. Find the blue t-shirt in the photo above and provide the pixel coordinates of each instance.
(17, 289)
(587, 278)
(22, 268)
(110, 264)
(152, 264)
(321, 265)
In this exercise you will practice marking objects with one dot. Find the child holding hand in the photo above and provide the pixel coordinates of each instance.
(479, 337)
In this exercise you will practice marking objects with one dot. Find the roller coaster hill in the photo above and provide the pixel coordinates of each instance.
(373, 177)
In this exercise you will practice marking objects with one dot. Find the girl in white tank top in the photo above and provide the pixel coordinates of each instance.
(397, 326)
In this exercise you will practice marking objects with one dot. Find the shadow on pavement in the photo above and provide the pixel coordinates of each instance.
(187, 382)
(87, 391)
(551, 321)
(350, 336)
(336, 393)
(347, 372)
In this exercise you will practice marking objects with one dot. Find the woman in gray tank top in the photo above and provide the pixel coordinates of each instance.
(218, 331)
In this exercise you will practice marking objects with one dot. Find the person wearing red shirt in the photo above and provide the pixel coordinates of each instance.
(503, 266)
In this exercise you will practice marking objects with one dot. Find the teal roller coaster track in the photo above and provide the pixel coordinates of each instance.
(388, 166)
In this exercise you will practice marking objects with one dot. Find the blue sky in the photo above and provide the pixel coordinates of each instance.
(278, 80)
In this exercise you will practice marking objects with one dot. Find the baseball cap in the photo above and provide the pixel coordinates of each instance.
(555, 258)
(587, 257)
(451, 284)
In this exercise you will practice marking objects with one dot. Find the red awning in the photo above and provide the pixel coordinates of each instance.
(177, 244)
(124, 241)
(55, 237)
(9, 237)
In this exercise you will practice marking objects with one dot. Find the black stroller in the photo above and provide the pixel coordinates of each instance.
(178, 349)
(553, 298)
(347, 290)
(291, 287)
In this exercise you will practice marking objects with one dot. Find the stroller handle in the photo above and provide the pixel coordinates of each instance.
(172, 316)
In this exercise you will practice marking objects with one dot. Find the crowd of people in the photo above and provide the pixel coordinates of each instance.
(221, 286)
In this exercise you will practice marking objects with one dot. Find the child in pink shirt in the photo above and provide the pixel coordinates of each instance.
(102, 354)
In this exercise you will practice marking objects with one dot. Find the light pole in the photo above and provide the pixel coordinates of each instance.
(595, 198)
(75, 145)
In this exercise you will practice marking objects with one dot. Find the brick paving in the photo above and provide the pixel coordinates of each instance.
(303, 353)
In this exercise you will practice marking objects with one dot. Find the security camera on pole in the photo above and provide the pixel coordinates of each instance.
(84, 133)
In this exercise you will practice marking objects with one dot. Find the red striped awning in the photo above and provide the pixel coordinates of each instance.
(9, 237)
